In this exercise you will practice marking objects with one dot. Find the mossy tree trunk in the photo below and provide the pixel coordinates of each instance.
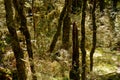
(19, 6)
(101, 4)
(66, 25)
(114, 4)
(74, 72)
(19, 55)
(76, 6)
(94, 34)
(34, 19)
(58, 32)
(83, 74)
(66, 31)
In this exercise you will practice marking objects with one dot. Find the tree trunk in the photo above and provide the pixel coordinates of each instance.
(66, 25)
(94, 35)
(19, 55)
(34, 19)
(19, 5)
(76, 6)
(66, 32)
(57, 34)
(74, 72)
(114, 5)
(83, 75)
(102, 5)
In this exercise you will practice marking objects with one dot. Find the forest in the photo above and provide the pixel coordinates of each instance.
(59, 40)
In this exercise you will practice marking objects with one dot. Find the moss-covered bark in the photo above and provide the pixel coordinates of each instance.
(74, 72)
(94, 34)
(66, 32)
(83, 75)
(57, 34)
(76, 6)
(101, 4)
(19, 6)
(66, 25)
(19, 55)
(114, 2)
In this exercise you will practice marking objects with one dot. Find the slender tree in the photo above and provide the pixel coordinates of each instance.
(66, 25)
(76, 5)
(94, 34)
(34, 19)
(57, 34)
(114, 4)
(66, 31)
(83, 75)
(19, 55)
(74, 72)
(102, 5)
(19, 5)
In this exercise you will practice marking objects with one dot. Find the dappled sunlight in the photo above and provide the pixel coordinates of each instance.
(97, 54)
(103, 68)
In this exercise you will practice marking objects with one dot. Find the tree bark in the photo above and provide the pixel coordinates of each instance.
(114, 4)
(19, 55)
(102, 5)
(83, 75)
(19, 5)
(57, 34)
(34, 19)
(66, 25)
(74, 72)
(94, 35)
(66, 32)
(76, 6)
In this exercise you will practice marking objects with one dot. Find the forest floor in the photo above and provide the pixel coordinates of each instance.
(106, 67)
(106, 64)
